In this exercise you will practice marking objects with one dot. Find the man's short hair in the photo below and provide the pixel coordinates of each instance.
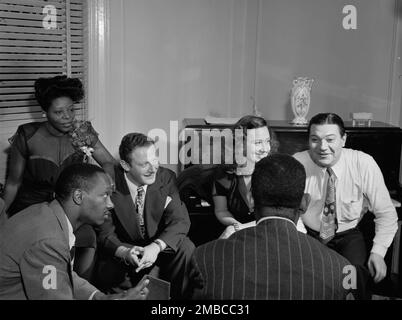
(327, 118)
(278, 181)
(76, 176)
(131, 141)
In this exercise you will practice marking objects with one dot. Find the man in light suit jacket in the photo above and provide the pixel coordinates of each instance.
(149, 222)
(272, 260)
(35, 244)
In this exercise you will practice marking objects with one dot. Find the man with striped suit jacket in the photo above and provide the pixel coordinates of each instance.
(272, 260)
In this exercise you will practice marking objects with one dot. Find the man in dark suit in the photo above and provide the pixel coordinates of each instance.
(149, 222)
(36, 244)
(272, 260)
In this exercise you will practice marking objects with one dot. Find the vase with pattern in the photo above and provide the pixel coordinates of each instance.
(300, 99)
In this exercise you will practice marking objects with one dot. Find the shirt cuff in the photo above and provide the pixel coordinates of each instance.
(379, 249)
(162, 243)
(300, 226)
(93, 294)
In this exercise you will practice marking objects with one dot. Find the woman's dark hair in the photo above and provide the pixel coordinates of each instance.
(49, 89)
(253, 122)
(327, 118)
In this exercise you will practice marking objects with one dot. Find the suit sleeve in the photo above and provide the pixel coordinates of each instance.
(82, 288)
(46, 273)
(196, 281)
(107, 238)
(175, 220)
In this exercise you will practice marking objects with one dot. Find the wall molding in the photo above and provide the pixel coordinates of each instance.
(394, 95)
(98, 62)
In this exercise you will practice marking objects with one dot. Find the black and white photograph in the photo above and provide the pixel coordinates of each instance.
(201, 156)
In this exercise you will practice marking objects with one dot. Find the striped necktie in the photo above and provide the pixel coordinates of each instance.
(139, 206)
(329, 223)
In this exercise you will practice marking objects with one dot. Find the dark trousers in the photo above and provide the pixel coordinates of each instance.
(351, 245)
(114, 275)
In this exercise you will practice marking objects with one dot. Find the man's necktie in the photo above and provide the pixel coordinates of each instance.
(329, 223)
(139, 205)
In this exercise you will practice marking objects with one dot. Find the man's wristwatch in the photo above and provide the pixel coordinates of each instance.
(236, 226)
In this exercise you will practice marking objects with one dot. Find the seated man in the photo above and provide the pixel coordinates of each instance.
(149, 222)
(35, 244)
(343, 184)
(272, 260)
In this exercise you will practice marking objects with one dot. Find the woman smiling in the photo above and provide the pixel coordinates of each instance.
(234, 205)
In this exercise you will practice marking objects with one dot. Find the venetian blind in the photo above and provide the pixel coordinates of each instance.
(37, 39)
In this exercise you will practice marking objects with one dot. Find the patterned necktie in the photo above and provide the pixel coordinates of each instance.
(139, 206)
(329, 223)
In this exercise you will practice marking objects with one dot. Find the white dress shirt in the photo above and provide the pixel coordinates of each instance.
(133, 188)
(133, 192)
(275, 218)
(359, 187)
(71, 236)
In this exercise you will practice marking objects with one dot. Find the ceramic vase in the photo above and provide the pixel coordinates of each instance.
(300, 99)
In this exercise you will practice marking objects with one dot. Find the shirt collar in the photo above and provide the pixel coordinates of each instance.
(338, 167)
(71, 236)
(277, 218)
(133, 186)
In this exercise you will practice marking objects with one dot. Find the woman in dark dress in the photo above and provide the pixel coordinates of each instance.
(41, 150)
(233, 203)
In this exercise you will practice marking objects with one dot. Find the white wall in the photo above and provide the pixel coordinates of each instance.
(172, 59)
(175, 59)
(353, 69)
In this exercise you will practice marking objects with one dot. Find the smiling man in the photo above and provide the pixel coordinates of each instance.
(343, 185)
(36, 245)
(149, 222)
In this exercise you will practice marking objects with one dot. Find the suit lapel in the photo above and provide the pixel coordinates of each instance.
(124, 206)
(155, 199)
(61, 217)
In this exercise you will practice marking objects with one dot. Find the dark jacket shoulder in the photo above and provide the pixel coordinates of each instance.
(165, 175)
(224, 177)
